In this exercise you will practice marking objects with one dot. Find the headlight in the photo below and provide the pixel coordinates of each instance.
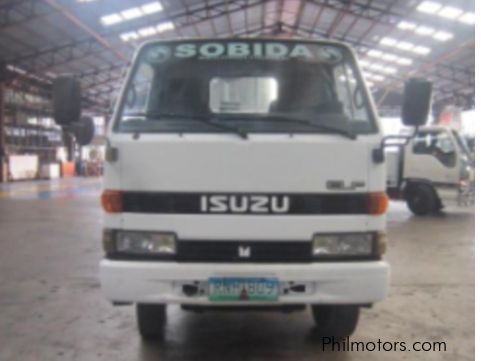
(129, 242)
(355, 244)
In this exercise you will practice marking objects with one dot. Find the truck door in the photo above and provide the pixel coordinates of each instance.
(432, 155)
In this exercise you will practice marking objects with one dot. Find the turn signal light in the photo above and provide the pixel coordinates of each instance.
(112, 201)
(377, 203)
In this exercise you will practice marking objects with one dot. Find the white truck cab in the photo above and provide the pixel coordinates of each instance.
(432, 170)
(240, 174)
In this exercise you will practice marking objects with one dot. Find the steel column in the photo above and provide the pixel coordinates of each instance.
(3, 71)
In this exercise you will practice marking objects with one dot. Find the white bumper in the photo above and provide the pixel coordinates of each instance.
(328, 283)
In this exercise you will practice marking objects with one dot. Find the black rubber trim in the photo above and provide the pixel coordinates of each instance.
(299, 203)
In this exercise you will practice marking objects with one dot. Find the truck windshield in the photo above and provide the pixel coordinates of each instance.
(245, 86)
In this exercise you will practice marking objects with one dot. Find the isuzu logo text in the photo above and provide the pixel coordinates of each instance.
(244, 204)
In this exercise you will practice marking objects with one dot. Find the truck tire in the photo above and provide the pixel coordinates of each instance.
(338, 321)
(151, 320)
(421, 199)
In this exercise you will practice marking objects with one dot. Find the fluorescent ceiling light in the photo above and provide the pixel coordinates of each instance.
(378, 77)
(376, 66)
(147, 31)
(450, 12)
(421, 50)
(16, 69)
(169, 25)
(111, 19)
(404, 61)
(363, 63)
(404, 45)
(129, 36)
(468, 18)
(132, 13)
(388, 41)
(375, 53)
(389, 57)
(429, 7)
(151, 8)
(405, 25)
(424, 30)
(370, 84)
(389, 70)
(442, 36)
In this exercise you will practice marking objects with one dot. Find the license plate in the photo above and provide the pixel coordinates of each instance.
(243, 289)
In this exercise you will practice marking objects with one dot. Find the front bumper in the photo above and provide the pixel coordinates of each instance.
(325, 283)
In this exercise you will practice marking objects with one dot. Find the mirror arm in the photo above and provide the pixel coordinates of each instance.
(378, 153)
(111, 153)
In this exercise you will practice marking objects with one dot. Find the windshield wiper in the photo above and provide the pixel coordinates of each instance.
(294, 118)
(206, 119)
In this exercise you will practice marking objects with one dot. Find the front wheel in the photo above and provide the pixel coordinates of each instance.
(335, 320)
(421, 200)
(151, 320)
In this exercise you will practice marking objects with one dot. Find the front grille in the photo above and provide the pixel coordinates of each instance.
(253, 251)
(299, 204)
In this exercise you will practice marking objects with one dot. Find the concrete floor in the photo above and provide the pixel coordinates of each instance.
(51, 307)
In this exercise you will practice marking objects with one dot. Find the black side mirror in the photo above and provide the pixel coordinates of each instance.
(416, 102)
(67, 100)
(67, 109)
(415, 111)
(83, 130)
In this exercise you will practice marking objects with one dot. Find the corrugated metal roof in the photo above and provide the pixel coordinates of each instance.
(49, 37)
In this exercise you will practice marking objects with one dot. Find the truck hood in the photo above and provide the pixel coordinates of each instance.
(226, 163)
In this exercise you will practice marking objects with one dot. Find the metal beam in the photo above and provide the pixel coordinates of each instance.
(337, 20)
(392, 77)
(279, 11)
(32, 12)
(12, 4)
(194, 24)
(229, 20)
(361, 43)
(81, 25)
(211, 22)
(66, 53)
(2, 122)
(300, 11)
(320, 10)
(355, 21)
(101, 70)
(427, 66)
(220, 8)
(263, 14)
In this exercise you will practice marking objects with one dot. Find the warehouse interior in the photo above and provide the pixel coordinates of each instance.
(50, 185)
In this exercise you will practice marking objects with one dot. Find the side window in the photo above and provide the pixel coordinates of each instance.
(437, 144)
(350, 94)
(139, 90)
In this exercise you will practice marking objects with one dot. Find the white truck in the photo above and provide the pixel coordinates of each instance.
(244, 174)
(433, 169)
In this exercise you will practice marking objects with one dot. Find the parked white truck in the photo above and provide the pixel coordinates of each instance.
(433, 169)
(245, 174)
